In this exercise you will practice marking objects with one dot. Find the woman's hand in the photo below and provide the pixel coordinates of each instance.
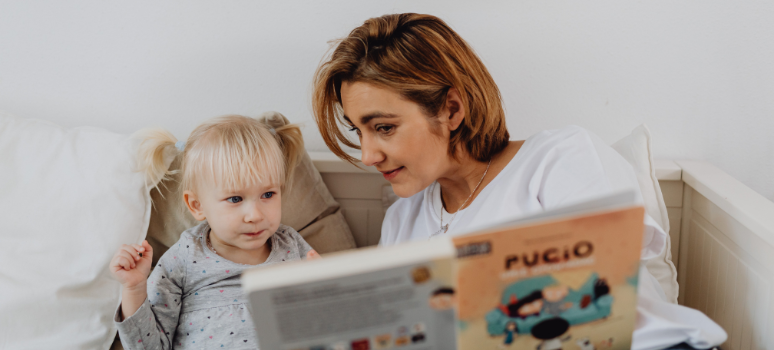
(131, 266)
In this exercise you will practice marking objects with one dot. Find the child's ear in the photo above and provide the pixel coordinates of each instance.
(193, 205)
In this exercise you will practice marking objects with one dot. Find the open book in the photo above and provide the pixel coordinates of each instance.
(565, 278)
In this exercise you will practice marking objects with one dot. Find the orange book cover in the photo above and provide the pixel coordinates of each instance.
(568, 283)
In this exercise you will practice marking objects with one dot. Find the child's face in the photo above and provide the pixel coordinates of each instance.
(244, 218)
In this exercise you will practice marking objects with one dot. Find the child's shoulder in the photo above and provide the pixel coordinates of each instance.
(194, 234)
(190, 241)
(287, 237)
(287, 234)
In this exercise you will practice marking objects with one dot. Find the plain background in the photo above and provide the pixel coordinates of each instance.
(699, 73)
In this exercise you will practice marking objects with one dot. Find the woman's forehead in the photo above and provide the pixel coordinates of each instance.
(363, 102)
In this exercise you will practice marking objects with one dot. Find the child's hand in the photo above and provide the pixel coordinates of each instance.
(131, 264)
(313, 255)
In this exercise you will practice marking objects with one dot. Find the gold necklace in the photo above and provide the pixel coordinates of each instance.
(445, 228)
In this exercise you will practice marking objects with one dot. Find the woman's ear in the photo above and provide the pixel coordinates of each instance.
(453, 109)
(193, 205)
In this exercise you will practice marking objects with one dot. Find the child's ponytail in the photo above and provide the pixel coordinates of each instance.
(156, 151)
(289, 138)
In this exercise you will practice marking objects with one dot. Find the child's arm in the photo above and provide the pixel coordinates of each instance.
(154, 317)
(130, 266)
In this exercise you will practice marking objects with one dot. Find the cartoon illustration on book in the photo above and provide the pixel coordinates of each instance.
(418, 333)
(510, 333)
(550, 331)
(442, 299)
(585, 344)
(530, 302)
(402, 337)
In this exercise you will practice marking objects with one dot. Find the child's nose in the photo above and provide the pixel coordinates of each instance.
(254, 213)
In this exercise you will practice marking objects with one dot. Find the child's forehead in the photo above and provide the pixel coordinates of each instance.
(243, 186)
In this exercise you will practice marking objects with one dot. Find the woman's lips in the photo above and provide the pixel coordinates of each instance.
(389, 175)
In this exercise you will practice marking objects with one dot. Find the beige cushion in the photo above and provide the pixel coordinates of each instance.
(636, 149)
(307, 206)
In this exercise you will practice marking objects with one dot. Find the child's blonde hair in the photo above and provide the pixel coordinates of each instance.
(235, 150)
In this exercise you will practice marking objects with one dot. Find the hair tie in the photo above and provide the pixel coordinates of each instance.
(180, 145)
(273, 131)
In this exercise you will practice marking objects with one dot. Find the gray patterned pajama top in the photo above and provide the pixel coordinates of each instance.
(195, 298)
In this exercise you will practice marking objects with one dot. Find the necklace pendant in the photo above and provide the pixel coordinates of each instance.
(440, 231)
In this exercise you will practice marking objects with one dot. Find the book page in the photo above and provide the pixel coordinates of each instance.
(410, 307)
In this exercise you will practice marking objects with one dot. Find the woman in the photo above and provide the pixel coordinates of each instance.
(429, 116)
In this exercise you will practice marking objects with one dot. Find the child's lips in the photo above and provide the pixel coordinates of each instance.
(253, 234)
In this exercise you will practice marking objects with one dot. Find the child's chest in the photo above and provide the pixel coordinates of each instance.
(227, 326)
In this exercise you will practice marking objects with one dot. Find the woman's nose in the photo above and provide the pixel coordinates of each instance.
(371, 154)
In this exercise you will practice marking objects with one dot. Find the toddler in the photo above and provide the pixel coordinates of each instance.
(233, 171)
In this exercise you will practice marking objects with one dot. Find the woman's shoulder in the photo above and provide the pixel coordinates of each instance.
(571, 135)
(548, 148)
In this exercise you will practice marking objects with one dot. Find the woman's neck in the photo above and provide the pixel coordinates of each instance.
(238, 255)
(459, 183)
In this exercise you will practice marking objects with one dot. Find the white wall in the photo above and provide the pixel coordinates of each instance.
(699, 73)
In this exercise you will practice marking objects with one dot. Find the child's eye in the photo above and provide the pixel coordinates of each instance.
(235, 199)
(267, 195)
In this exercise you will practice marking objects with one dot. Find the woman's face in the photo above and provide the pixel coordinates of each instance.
(396, 136)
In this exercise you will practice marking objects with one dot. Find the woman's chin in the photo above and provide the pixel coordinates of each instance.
(404, 190)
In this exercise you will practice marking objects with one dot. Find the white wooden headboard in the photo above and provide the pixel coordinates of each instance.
(722, 236)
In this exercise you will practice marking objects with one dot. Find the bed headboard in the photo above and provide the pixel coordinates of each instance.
(358, 191)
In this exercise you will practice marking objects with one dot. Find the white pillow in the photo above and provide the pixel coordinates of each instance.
(69, 198)
(636, 149)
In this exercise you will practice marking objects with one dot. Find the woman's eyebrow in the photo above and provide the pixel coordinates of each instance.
(368, 117)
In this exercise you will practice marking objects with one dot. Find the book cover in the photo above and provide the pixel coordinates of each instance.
(558, 284)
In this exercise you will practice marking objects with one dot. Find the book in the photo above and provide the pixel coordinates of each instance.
(365, 299)
(565, 278)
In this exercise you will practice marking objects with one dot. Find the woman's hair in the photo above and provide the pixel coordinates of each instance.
(421, 58)
(234, 150)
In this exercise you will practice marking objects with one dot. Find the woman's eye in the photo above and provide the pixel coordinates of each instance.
(267, 195)
(235, 199)
(384, 129)
(356, 130)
